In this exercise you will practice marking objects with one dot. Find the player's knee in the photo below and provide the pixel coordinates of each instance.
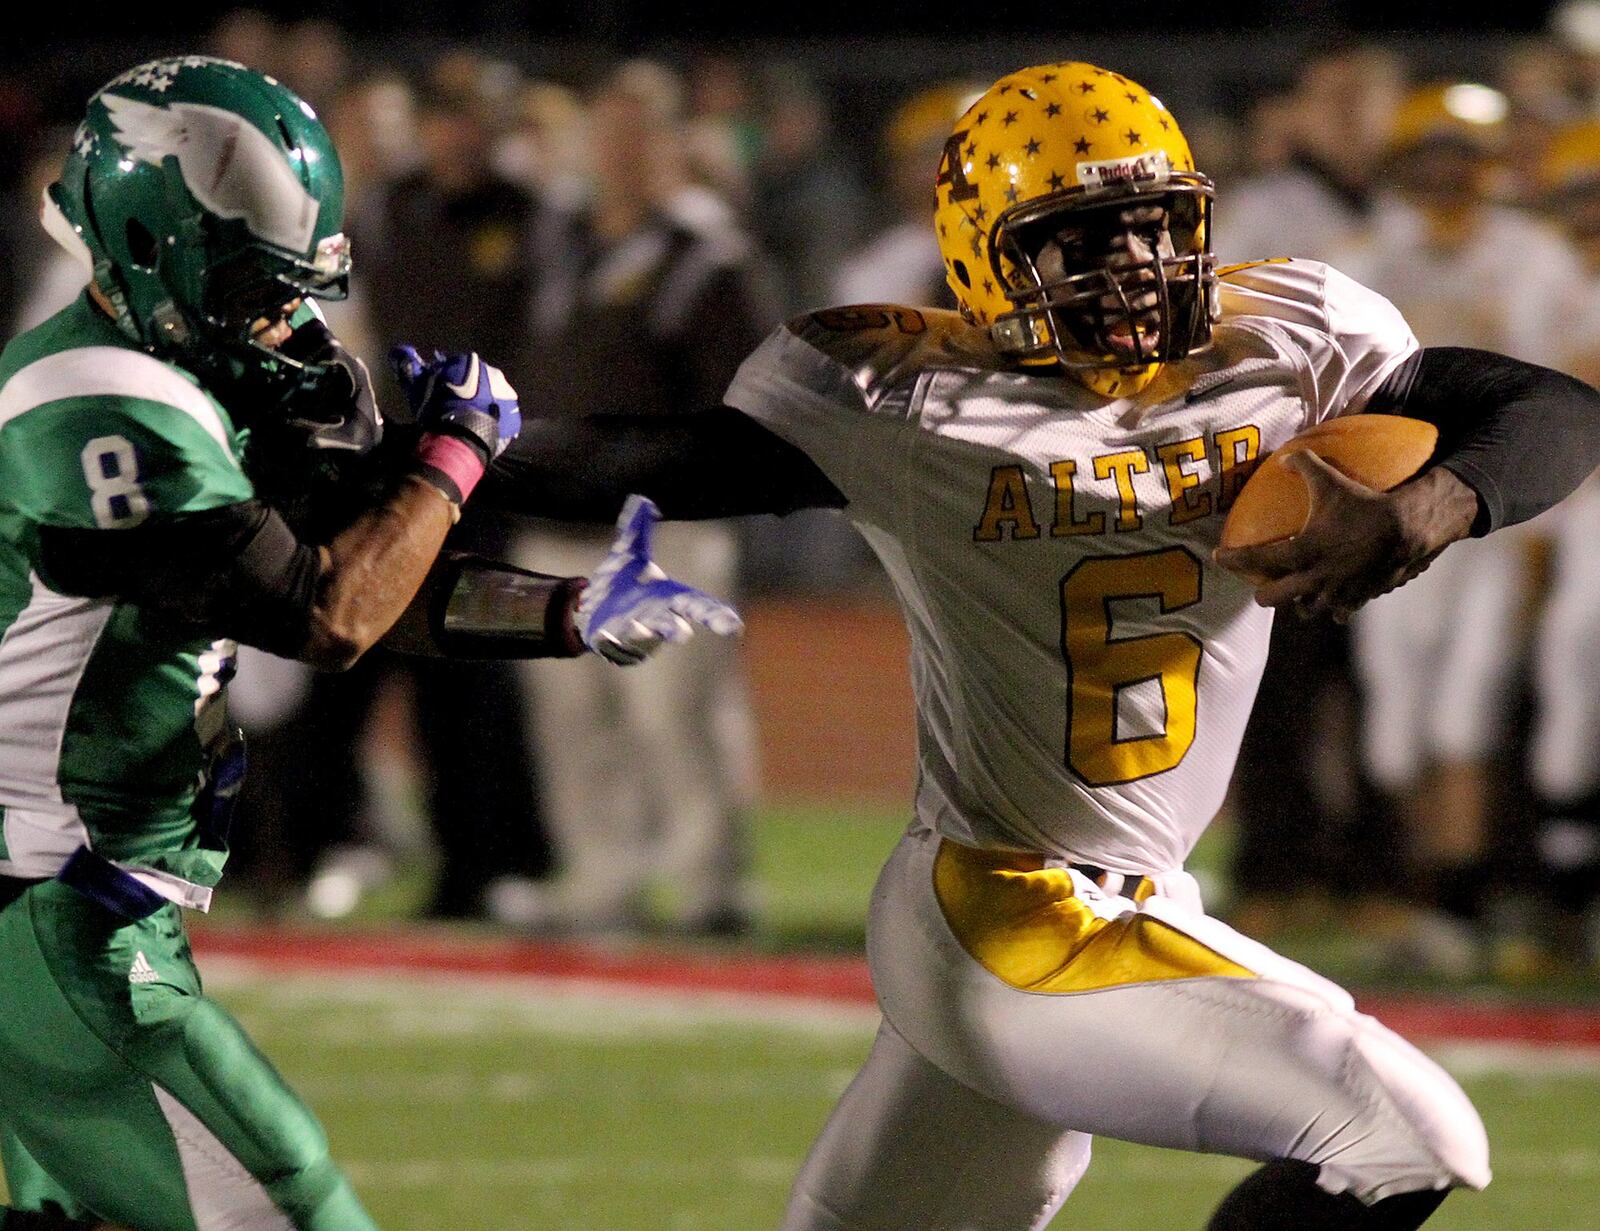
(1438, 1140)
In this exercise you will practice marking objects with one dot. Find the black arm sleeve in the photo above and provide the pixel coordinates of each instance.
(1519, 435)
(713, 463)
(237, 571)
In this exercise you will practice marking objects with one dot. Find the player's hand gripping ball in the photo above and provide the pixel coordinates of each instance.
(1313, 524)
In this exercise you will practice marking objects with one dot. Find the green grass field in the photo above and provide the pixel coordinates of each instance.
(465, 1108)
(474, 1106)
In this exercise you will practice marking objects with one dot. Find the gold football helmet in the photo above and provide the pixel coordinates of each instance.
(1460, 112)
(1571, 160)
(1074, 226)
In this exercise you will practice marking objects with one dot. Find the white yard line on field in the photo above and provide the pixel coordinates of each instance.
(779, 1171)
(561, 1171)
(429, 1005)
(368, 1010)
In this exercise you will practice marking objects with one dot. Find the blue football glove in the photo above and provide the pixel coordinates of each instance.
(630, 607)
(460, 395)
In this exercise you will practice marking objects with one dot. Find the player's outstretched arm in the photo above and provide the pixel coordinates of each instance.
(714, 463)
(470, 607)
(1514, 439)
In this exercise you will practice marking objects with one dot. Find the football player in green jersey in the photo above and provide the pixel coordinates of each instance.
(137, 546)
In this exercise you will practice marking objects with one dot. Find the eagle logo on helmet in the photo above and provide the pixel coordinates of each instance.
(228, 164)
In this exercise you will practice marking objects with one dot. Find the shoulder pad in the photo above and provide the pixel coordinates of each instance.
(881, 344)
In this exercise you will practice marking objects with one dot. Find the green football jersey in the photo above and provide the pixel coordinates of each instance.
(106, 710)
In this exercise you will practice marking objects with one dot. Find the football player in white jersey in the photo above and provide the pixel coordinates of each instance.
(1044, 475)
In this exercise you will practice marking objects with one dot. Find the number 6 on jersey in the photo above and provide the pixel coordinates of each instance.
(1100, 667)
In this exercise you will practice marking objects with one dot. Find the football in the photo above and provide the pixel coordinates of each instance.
(1381, 451)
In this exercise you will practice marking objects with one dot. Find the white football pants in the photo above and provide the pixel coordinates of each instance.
(976, 1105)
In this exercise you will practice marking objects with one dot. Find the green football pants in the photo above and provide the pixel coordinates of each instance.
(128, 1097)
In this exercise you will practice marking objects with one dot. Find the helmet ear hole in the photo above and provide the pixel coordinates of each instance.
(142, 246)
(962, 275)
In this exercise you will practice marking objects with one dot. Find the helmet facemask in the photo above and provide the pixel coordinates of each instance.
(243, 295)
(1112, 281)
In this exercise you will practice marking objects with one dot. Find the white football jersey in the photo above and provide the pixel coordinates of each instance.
(1082, 670)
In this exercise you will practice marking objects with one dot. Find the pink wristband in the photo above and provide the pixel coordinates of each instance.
(454, 458)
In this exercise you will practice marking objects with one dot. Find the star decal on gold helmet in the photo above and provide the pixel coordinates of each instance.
(1009, 118)
(1100, 115)
(980, 213)
(1048, 78)
(1131, 96)
(1057, 181)
(1006, 89)
(1032, 147)
(972, 148)
(982, 116)
(1012, 194)
(1133, 137)
(1052, 110)
(1165, 124)
(988, 287)
(992, 161)
(1081, 146)
(1085, 87)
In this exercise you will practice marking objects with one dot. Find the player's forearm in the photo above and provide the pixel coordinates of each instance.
(714, 463)
(371, 571)
(469, 607)
(1521, 436)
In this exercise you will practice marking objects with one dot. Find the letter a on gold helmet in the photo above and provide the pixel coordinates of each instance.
(1074, 226)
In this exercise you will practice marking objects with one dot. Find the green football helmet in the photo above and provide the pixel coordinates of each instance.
(203, 196)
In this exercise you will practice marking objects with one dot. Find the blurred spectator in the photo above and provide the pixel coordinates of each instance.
(443, 260)
(1539, 81)
(1271, 136)
(315, 61)
(247, 36)
(1438, 657)
(1297, 789)
(545, 148)
(807, 206)
(900, 263)
(1575, 25)
(1564, 748)
(722, 133)
(45, 276)
(646, 302)
(1312, 206)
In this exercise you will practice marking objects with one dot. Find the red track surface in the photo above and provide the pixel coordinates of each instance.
(828, 979)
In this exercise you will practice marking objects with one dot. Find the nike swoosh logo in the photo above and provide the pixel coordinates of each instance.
(468, 388)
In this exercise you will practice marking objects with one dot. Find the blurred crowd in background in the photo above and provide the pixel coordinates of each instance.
(619, 236)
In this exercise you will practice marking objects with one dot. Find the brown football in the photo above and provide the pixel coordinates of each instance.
(1381, 451)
